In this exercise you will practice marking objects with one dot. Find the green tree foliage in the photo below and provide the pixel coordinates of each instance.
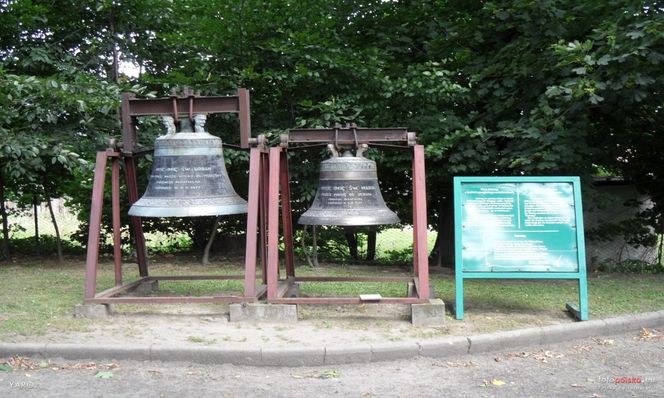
(47, 127)
(491, 87)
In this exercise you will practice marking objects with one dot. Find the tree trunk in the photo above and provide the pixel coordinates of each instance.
(115, 73)
(35, 215)
(443, 253)
(6, 248)
(58, 241)
(351, 238)
(661, 244)
(436, 258)
(213, 235)
(446, 227)
(371, 245)
(312, 258)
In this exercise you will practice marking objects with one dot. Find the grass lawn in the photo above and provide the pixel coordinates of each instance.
(40, 295)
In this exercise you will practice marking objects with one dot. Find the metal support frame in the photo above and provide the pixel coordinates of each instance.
(277, 289)
(188, 104)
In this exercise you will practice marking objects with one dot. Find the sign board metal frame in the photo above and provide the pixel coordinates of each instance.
(493, 194)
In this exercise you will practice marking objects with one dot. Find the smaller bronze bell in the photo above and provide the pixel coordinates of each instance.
(348, 193)
(188, 177)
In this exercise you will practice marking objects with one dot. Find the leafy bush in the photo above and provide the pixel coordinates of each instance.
(630, 267)
(47, 246)
(397, 256)
(170, 244)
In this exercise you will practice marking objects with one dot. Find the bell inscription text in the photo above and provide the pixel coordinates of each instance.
(340, 194)
(176, 176)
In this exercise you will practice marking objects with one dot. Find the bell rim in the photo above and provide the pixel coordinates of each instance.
(355, 220)
(196, 211)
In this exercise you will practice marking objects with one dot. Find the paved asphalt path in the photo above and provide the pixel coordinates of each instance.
(626, 365)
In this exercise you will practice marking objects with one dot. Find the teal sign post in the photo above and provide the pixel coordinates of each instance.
(519, 228)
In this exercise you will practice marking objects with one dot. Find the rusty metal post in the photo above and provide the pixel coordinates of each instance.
(264, 199)
(128, 130)
(273, 225)
(128, 147)
(286, 216)
(94, 230)
(132, 193)
(252, 223)
(245, 117)
(115, 208)
(420, 255)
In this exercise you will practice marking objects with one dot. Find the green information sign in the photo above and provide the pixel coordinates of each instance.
(519, 227)
(525, 226)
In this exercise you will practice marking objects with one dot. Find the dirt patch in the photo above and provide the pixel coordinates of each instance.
(208, 325)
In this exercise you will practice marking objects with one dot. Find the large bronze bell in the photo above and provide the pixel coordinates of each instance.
(348, 193)
(188, 177)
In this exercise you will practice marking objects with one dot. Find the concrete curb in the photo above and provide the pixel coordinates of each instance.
(361, 353)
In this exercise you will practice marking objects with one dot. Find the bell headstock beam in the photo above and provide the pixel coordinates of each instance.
(189, 104)
(348, 135)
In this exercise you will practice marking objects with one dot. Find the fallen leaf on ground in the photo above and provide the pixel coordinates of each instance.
(652, 334)
(80, 365)
(497, 382)
(545, 355)
(17, 362)
(104, 375)
(521, 354)
(599, 341)
(326, 374)
(469, 364)
(329, 374)
(583, 347)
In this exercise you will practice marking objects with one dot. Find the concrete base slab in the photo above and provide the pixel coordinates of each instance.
(91, 311)
(269, 313)
(428, 314)
(146, 287)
